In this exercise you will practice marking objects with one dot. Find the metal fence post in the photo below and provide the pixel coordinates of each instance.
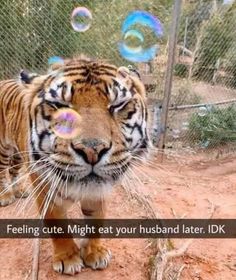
(169, 70)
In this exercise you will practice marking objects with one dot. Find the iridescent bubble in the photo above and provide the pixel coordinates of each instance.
(205, 144)
(185, 125)
(134, 40)
(55, 60)
(66, 123)
(81, 19)
(145, 30)
(175, 133)
(202, 111)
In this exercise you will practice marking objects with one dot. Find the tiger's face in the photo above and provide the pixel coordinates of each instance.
(112, 129)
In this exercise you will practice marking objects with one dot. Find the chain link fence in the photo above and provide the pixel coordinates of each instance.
(202, 113)
(203, 110)
(31, 31)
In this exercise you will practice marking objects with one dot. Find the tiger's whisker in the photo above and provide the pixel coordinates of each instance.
(36, 188)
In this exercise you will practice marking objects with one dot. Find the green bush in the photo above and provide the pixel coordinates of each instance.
(217, 126)
(181, 70)
(217, 38)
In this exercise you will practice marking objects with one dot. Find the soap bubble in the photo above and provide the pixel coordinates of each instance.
(175, 133)
(185, 125)
(55, 60)
(145, 30)
(81, 19)
(202, 111)
(134, 40)
(66, 123)
(205, 144)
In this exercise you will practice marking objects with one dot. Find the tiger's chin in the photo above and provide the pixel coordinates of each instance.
(87, 189)
(75, 188)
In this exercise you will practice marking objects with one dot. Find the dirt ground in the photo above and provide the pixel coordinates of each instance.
(213, 93)
(181, 185)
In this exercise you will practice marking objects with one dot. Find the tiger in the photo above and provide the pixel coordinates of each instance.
(111, 102)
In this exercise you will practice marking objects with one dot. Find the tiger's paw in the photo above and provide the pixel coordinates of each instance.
(70, 264)
(7, 199)
(96, 257)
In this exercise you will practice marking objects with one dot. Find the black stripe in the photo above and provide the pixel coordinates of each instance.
(70, 74)
(99, 89)
(100, 73)
(124, 91)
(131, 113)
(117, 153)
(139, 129)
(72, 68)
(44, 116)
(30, 122)
(128, 139)
(4, 156)
(128, 126)
(41, 93)
(56, 104)
(123, 160)
(49, 79)
(41, 136)
(106, 66)
(118, 106)
(80, 81)
(13, 95)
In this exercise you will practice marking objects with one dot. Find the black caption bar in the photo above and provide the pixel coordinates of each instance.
(118, 228)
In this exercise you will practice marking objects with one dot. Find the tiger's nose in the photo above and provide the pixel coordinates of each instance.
(91, 150)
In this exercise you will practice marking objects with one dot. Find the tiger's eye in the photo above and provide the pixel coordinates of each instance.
(66, 123)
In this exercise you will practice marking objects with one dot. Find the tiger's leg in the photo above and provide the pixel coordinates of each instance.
(6, 193)
(18, 169)
(93, 253)
(66, 254)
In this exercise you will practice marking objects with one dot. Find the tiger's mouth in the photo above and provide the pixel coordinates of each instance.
(71, 173)
(92, 177)
(71, 177)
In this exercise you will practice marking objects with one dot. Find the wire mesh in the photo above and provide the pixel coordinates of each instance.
(32, 31)
(203, 101)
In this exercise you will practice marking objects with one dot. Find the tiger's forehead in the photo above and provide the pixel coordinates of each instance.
(90, 97)
(81, 74)
(69, 81)
(88, 70)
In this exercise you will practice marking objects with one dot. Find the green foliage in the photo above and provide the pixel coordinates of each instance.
(214, 45)
(217, 126)
(181, 70)
(196, 13)
(211, 34)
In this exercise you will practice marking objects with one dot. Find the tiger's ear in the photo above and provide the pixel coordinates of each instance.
(27, 78)
(56, 66)
(128, 71)
(134, 72)
(123, 72)
(131, 77)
